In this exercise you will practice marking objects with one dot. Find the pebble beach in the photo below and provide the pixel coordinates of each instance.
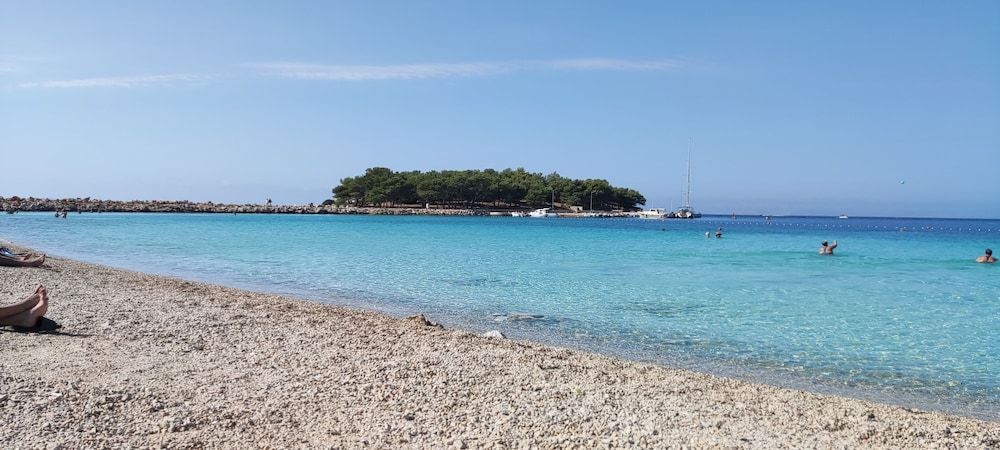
(148, 361)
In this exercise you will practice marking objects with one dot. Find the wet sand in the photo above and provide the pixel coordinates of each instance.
(142, 360)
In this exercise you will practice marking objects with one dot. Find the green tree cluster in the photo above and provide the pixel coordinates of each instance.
(380, 186)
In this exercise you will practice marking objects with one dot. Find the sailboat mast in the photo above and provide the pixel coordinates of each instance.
(687, 196)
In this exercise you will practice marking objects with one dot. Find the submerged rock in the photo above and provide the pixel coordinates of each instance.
(517, 317)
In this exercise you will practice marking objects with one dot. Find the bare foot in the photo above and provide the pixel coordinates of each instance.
(29, 318)
(41, 308)
(24, 305)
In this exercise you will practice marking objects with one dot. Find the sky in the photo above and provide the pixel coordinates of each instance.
(862, 108)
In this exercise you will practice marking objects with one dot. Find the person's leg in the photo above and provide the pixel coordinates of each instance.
(33, 261)
(29, 318)
(21, 261)
(24, 305)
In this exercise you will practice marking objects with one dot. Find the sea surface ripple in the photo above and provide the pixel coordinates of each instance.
(900, 314)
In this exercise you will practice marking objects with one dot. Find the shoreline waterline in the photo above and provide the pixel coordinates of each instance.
(132, 335)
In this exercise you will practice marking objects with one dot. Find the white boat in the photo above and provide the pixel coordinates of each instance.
(543, 212)
(518, 214)
(686, 211)
(842, 216)
(654, 213)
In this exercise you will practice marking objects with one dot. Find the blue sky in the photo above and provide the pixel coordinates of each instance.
(793, 107)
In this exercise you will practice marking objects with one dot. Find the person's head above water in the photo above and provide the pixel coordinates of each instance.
(989, 252)
(825, 243)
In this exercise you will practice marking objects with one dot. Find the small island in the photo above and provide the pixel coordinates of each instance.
(489, 188)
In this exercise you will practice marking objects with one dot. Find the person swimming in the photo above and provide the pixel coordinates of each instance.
(826, 248)
(718, 233)
(987, 257)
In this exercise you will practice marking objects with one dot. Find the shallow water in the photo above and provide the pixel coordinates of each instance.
(899, 314)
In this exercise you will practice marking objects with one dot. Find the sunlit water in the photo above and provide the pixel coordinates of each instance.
(900, 314)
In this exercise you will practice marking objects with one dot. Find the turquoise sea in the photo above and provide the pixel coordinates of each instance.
(900, 314)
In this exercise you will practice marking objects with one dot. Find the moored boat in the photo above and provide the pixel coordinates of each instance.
(542, 212)
(686, 211)
(653, 213)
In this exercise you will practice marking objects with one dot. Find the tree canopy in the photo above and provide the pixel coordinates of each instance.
(380, 186)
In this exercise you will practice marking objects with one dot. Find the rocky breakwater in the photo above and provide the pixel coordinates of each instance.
(81, 205)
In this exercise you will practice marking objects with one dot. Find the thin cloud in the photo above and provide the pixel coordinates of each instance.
(615, 64)
(118, 82)
(9, 64)
(304, 71)
(385, 72)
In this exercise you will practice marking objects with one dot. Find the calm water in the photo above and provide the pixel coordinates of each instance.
(900, 314)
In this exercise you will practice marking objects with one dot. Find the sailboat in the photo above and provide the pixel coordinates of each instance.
(686, 211)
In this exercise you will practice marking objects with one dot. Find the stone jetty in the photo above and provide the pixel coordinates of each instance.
(89, 205)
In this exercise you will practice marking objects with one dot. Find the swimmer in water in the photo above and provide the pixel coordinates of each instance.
(987, 257)
(827, 249)
(718, 233)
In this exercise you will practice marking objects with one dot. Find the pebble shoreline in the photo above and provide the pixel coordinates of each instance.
(147, 361)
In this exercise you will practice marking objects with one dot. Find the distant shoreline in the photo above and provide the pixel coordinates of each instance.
(183, 206)
(81, 205)
(15, 205)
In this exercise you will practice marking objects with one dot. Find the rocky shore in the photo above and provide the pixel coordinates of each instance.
(143, 361)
